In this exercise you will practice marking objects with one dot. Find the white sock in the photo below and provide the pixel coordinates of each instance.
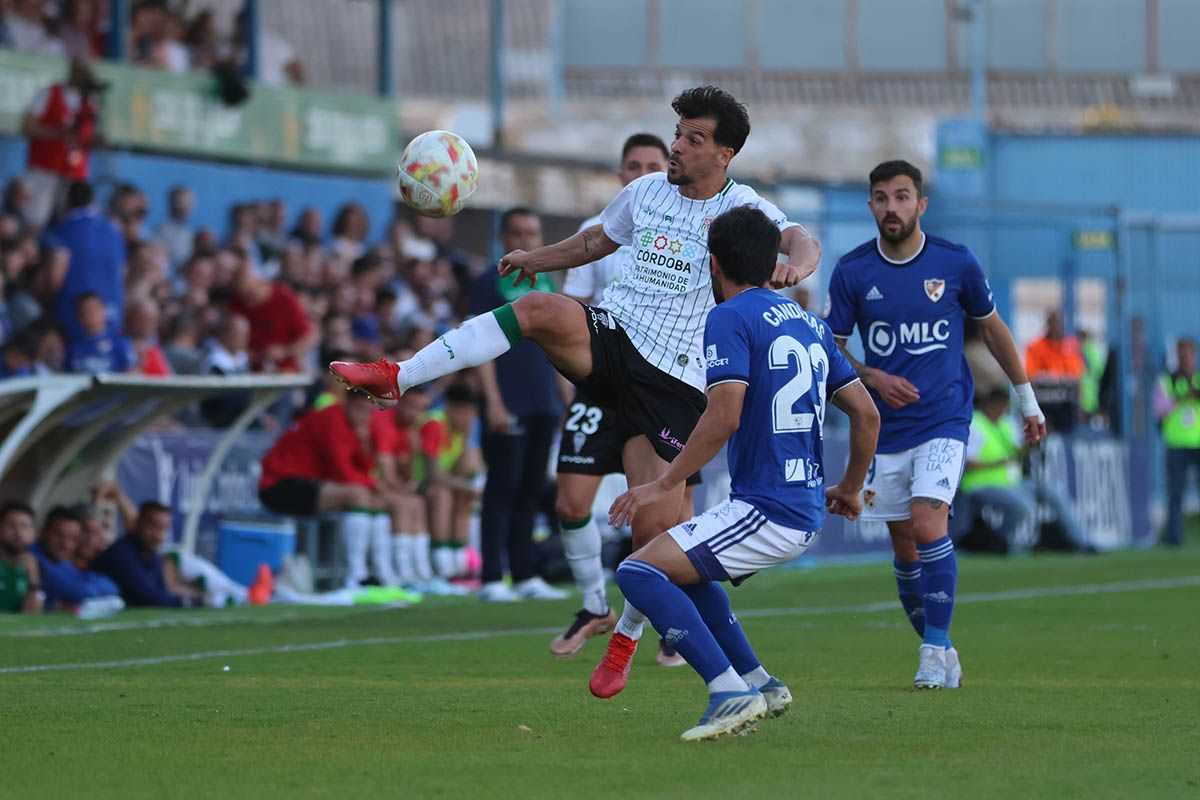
(421, 563)
(631, 622)
(728, 681)
(757, 677)
(582, 547)
(477, 341)
(403, 546)
(356, 535)
(460, 559)
(381, 550)
(443, 562)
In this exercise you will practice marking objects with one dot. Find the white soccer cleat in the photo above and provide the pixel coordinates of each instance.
(953, 669)
(537, 589)
(931, 669)
(777, 695)
(497, 592)
(728, 713)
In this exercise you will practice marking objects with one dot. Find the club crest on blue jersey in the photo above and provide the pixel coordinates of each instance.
(934, 288)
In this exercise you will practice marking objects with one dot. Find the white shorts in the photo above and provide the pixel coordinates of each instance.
(932, 470)
(732, 541)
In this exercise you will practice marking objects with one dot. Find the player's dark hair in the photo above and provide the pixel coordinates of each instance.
(15, 507)
(460, 394)
(894, 169)
(151, 507)
(60, 513)
(515, 211)
(710, 102)
(746, 245)
(644, 140)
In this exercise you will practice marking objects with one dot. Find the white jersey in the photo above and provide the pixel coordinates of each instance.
(589, 281)
(664, 292)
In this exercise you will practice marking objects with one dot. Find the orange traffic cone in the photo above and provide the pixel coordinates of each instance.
(263, 586)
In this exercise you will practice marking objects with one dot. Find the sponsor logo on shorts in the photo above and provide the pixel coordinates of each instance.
(869, 498)
(944, 483)
(711, 359)
(689, 528)
(579, 440)
(577, 459)
(669, 438)
(601, 317)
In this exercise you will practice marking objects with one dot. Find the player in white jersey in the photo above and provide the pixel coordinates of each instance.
(641, 352)
(593, 437)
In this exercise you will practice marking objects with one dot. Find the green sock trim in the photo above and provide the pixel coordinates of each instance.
(508, 323)
(442, 545)
(574, 524)
(370, 512)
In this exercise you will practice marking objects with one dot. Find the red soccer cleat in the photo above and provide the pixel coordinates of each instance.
(612, 673)
(378, 379)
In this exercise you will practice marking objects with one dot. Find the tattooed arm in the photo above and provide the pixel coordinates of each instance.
(590, 244)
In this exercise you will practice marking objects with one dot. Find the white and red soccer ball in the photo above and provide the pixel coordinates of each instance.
(437, 174)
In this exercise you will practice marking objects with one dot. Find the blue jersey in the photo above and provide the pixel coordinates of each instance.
(910, 318)
(104, 352)
(790, 364)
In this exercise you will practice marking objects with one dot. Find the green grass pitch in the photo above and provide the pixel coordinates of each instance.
(1082, 679)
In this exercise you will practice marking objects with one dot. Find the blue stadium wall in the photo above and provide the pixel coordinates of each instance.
(218, 186)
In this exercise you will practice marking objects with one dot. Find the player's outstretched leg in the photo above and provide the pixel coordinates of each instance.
(712, 601)
(733, 705)
(582, 546)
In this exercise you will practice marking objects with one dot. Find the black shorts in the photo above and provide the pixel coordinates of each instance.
(643, 399)
(291, 497)
(593, 437)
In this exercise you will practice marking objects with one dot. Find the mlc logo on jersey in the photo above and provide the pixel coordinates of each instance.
(923, 337)
(934, 288)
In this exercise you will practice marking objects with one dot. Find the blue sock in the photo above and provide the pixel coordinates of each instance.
(712, 601)
(908, 583)
(939, 577)
(673, 615)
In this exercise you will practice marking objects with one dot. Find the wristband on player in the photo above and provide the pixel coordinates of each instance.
(1028, 402)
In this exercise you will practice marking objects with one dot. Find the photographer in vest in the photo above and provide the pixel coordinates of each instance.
(62, 126)
(994, 495)
(1177, 405)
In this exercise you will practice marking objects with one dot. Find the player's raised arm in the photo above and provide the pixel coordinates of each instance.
(803, 254)
(1000, 344)
(586, 246)
(846, 497)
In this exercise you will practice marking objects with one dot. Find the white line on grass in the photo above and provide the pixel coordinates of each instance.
(864, 608)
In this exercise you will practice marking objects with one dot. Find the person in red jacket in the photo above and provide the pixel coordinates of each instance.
(281, 335)
(62, 128)
(323, 463)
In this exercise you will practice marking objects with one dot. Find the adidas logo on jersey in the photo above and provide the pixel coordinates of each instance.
(944, 483)
(874, 294)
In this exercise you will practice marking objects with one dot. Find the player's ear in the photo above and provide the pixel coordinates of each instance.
(922, 204)
(715, 267)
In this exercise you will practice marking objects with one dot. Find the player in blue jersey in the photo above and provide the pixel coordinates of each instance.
(770, 368)
(907, 293)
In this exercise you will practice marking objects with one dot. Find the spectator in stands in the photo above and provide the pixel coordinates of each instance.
(97, 259)
(446, 467)
(226, 355)
(136, 566)
(272, 236)
(281, 336)
(62, 128)
(278, 64)
(50, 353)
(322, 463)
(28, 31)
(18, 204)
(1095, 358)
(307, 232)
(141, 326)
(349, 231)
(17, 355)
(79, 29)
(1177, 406)
(176, 234)
(1055, 365)
(20, 579)
(523, 403)
(181, 345)
(167, 50)
(202, 41)
(128, 208)
(65, 584)
(992, 480)
(100, 348)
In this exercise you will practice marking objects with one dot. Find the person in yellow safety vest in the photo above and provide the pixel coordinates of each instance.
(1095, 357)
(446, 468)
(992, 485)
(1177, 405)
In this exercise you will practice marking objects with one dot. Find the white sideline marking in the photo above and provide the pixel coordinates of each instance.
(864, 608)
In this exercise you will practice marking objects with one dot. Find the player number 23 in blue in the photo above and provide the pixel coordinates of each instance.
(809, 362)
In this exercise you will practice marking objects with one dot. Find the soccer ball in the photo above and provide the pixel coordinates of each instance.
(437, 174)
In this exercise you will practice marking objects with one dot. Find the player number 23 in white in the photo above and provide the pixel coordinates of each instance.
(809, 362)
